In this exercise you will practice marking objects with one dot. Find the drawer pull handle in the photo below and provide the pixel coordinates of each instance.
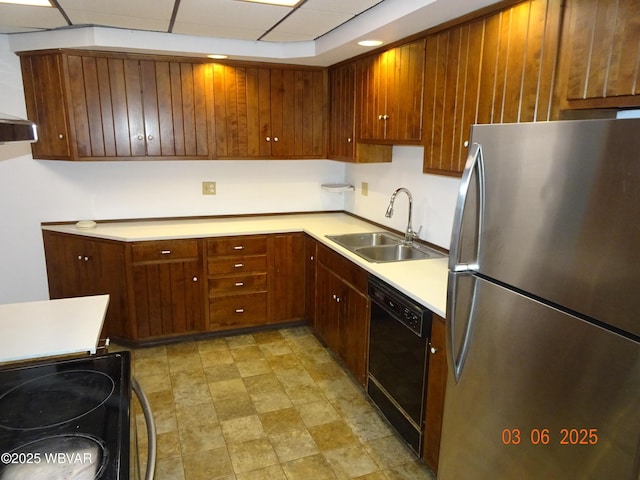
(238, 247)
(239, 284)
(238, 265)
(166, 252)
(239, 310)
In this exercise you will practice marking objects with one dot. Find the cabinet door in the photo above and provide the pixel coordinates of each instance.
(604, 52)
(498, 69)
(310, 272)
(79, 266)
(327, 307)
(436, 386)
(168, 298)
(287, 289)
(353, 336)
(106, 106)
(390, 89)
(45, 98)
(176, 108)
(342, 93)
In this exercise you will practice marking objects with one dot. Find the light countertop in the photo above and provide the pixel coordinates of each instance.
(51, 327)
(423, 280)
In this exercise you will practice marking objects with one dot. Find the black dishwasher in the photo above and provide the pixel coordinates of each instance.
(398, 339)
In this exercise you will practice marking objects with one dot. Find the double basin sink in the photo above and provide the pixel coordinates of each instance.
(381, 247)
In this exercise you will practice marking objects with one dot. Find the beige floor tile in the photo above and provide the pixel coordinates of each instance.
(185, 379)
(193, 415)
(410, 471)
(338, 387)
(317, 413)
(281, 421)
(224, 371)
(211, 344)
(189, 396)
(252, 455)
(293, 376)
(243, 429)
(329, 436)
(201, 438)
(273, 472)
(188, 362)
(268, 336)
(161, 400)
(262, 383)
(351, 461)
(221, 356)
(324, 371)
(284, 362)
(151, 366)
(181, 348)
(169, 469)
(158, 352)
(234, 407)
(294, 444)
(154, 383)
(210, 465)
(305, 393)
(251, 368)
(246, 353)
(277, 348)
(314, 467)
(237, 341)
(168, 445)
(389, 451)
(165, 421)
(373, 476)
(270, 401)
(354, 405)
(368, 426)
(227, 388)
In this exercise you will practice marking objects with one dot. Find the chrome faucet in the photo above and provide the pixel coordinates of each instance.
(409, 234)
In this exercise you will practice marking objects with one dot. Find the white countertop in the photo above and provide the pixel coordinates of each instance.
(51, 327)
(423, 280)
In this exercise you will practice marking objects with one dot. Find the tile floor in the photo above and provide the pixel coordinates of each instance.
(270, 405)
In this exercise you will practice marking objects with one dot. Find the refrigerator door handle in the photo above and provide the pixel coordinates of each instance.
(458, 358)
(475, 163)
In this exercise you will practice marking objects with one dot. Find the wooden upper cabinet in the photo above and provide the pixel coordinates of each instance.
(389, 90)
(269, 112)
(497, 69)
(603, 53)
(45, 95)
(115, 107)
(342, 94)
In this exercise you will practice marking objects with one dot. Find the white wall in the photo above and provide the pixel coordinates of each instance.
(35, 191)
(434, 196)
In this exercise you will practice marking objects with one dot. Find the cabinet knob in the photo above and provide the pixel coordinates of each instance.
(140, 137)
(150, 137)
(84, 258)
(195, 279)
(275, 139)
(268, 139)
(312, 258)
(466, 143)
(433, 350)
(61, 136)
(349, 140)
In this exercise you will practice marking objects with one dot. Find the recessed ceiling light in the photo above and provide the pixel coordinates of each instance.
(370, 43)
(218, 56)
(36, 3)
(284, 3)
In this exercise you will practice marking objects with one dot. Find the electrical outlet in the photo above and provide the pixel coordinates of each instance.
(364, 189)
(208, 188)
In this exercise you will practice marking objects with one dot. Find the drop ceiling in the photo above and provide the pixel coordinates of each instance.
(313, 32)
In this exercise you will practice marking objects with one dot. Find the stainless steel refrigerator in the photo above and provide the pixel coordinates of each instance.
(543, 313)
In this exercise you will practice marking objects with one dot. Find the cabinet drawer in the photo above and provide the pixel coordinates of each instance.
(237, 311)
(164, 250)
(251, 245)
(235, 265)
(237, 284)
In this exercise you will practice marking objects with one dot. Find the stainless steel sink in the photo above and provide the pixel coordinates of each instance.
(369, 239)
(381, 247)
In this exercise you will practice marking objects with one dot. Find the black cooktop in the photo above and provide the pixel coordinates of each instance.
(66, 419)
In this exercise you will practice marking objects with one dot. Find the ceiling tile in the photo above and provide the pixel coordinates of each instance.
(350, 6)
(20, 18)
(138, 14)
(227, 16)
(310, 23)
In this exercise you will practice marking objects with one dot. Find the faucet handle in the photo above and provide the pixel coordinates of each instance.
(416, 234)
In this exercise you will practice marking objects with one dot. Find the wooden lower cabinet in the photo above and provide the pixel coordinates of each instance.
(342, 309)
(436, 386)
(80, 266)
(167, 288)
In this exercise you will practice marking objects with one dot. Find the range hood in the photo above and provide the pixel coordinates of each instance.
(13, 129)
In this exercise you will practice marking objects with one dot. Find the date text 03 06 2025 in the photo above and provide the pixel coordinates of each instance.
(544, 436)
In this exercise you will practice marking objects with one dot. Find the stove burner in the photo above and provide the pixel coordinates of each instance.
(54, 399)
(60, 457)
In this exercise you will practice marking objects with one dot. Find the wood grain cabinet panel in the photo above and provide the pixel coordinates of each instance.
(287, 285)
(80, 266)
(497, 69)
(269, 112)
(603, 53)
(118, 106)
(342, 120)
(167, 293)
(389, 89)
